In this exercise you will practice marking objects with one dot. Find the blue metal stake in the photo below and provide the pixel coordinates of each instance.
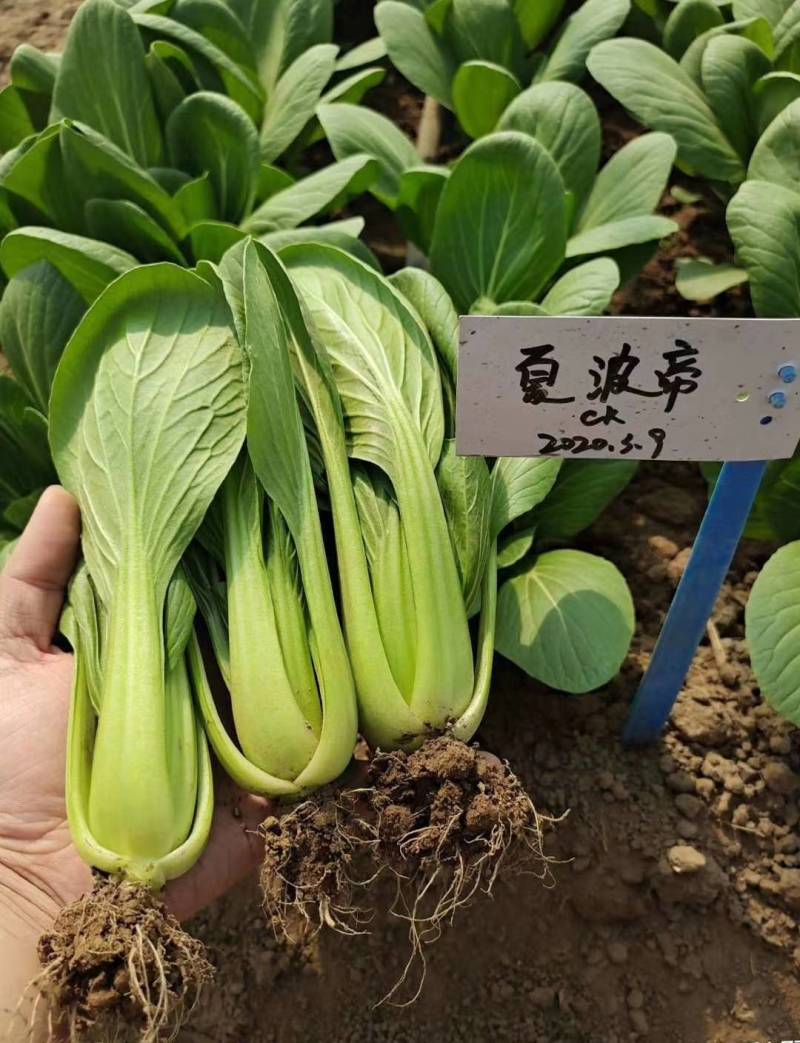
(691, 608)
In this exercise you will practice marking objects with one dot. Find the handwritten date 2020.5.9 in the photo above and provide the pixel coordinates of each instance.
(574, 445)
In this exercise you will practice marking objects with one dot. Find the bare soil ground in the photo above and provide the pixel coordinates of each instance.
(673, 909)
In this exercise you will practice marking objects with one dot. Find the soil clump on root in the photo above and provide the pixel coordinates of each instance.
(117, 966)
(307, 876)
(440, 823)
(446, 820)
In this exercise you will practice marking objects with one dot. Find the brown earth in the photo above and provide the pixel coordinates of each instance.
(672, 914)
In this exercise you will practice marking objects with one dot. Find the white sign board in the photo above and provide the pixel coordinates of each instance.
(641, 388)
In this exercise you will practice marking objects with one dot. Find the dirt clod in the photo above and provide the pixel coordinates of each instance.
(117, 966)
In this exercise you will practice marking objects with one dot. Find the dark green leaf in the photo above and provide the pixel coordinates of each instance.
(38, 312)
(352, 130)
(209, 133)
(87, 264)
(583, 491)
(414, 49)
(567, 622)
(481, 93)
(122, 223)
(500, 228)
(564, 119)
(102, 81)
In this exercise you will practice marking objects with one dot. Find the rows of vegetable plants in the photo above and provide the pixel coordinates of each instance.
(281, 548)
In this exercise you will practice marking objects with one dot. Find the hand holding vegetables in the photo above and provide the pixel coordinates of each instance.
(40, 869)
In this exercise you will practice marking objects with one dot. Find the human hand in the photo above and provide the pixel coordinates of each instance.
(40, 870)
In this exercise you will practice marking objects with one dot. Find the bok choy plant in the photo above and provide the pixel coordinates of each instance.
(146, 418)
(476, 56)
(275, 628)
(537, 183)
(715, 86)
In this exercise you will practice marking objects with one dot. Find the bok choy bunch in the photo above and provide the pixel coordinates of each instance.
(415, 531)
(265, 588)
(146, 418)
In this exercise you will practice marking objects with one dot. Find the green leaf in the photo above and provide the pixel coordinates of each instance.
(211, 240)
(630, 231)
(772, 617)
(584, 290)
(764, 223)
(631, 184)
(414, 49)
(381, 380)
(731, 67)
(351, 90)
(319, 191)
(151, 385)
(120, 222)
(658, 92)
(466, 491)
(418, 202)
(357, 131)
(168, 91)
(97, 169)
(772, 10)
(219, 25)
(87, 264)
(435, 309)
(15, 119)
(34, 70)
(195, 201)
(24, 457)
(593, 22)
(500, 228)
(701, 280)
(481, 92)
(35, 173)
(567, 622)
(782, 496)
(294, 100)
(688, 20)
(514, 547)
(773, 93)
(18, 512)
(210, 133)
(518, 485)
(757, 30)
(583, 491)
(342, 234)
(787, 34)
(536, 18)
(564, 119)
(510, 308)
(38, 312)
(238, 82)
(102, 81)
(485, 30)
(776, 157)
(365, 53)
(271, 180)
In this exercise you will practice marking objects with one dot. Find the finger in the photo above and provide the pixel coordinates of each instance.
(234, 850)
(33, 583)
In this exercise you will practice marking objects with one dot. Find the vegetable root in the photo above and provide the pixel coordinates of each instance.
(307, 877)
(441, 822)
(117, 966)
(446, 819)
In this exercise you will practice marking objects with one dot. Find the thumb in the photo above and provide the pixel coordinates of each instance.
(34, 581)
